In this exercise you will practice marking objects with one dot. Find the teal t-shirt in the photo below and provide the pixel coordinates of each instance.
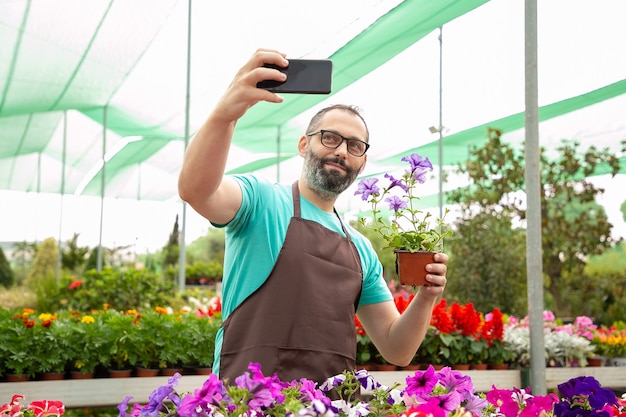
(255, 237)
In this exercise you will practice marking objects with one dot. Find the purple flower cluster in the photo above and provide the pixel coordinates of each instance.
(583, 396)
(440, 392)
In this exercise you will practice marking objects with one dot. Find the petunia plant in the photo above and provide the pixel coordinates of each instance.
(428, 393)
(407, 227)
(42, 408)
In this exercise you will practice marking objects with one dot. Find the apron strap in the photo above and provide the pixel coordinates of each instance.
(295, 193)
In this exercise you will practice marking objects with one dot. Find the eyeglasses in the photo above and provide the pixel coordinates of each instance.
(333, 140)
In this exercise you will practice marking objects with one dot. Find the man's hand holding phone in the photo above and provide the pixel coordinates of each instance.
(304, 76)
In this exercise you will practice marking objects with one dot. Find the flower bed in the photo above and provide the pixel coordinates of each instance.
(426, 393)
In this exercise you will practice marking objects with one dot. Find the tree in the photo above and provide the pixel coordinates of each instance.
(23, 254)
(7, 278)
(573, 225)
(172, 249)
(487, 264)
(42, 275)
(73, 257)
(207, 248)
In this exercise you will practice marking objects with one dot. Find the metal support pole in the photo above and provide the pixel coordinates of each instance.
(102, 186)
(63, 163)
(182, 258)
(533, 193)
(440, 122)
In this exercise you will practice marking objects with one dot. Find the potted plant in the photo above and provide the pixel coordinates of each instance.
(121, 339)
(610, 344)
(17, 333)
(407, 230)
(49, 348)
(86, 344)
(200, 336)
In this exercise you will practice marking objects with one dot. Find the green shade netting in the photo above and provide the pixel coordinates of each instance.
(52, 61)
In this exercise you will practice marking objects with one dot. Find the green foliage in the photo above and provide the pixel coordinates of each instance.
(72, 255)
(204, 272)
(7, 278)
(602, 288)
(44, 264)
(120, 290)
(387, 258)
(198, 339)
(172, 249)
(15, 344)
(39, 342)
(488, 257)
(573, 225)
(23, 254)
(207, 248)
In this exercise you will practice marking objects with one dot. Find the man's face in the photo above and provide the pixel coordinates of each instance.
(331, 171)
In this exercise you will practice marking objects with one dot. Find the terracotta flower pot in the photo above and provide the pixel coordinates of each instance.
(120, 373)
(17, 377)
(52, 376)
(169, 371)
(81, 375)
(146, 372)
(411, 267)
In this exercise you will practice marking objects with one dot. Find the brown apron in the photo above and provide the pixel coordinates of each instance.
(300, 322)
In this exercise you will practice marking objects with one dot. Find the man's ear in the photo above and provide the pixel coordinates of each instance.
(363, 166)
(302, 145)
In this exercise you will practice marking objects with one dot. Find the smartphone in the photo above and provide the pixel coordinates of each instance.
(304, 76)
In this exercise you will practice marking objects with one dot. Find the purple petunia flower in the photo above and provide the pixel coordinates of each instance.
(396, 203)
(367, 187)
(158, 397)
(590, 387)
(310, 391)
(396, 183)
(332, 382)
(367, 381)
(475, 404)
(415, 160)
(203, 399)
(440, 405)
(421, 383)
(456, 381)
(318, 408)
(123, 406)
(419, 166)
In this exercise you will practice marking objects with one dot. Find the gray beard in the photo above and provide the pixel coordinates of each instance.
(327, 185)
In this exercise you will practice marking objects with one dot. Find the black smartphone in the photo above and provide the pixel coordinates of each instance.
(304, 76)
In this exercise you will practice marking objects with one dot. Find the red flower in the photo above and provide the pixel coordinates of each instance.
(14, 408)
(494, 325)
(47, 408)
(359, 327)
(441, 319)
(466, 319)
(402, 301)
(75, 284)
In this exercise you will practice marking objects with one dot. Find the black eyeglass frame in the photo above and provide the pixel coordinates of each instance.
(343, 139)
